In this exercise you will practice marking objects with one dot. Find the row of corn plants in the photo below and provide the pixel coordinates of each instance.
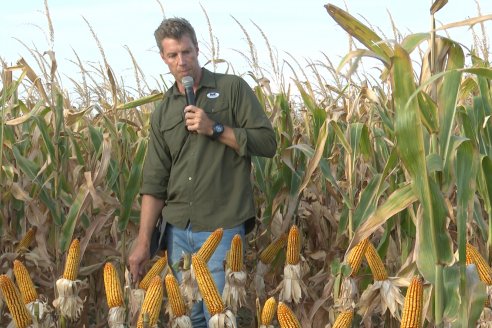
(383, 186)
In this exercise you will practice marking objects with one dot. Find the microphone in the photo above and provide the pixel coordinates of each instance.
(187, 82)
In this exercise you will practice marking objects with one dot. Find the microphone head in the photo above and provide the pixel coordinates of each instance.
(187, 81)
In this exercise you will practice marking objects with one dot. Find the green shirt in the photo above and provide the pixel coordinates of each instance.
(204, 181)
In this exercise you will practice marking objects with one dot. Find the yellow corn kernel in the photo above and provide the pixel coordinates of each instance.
(210, 245)
(484, 270)
(375, 263)
(269, 253)
(112, 285)
(155, 270)
(14, 301)
(24, 281)
(174, 296)
(206, 284)
(268, 311)
(344, 319)
(73, 261)
(152, 302)
(412, 307)
(26, 241)
(354, 258)
(293, 246)
(236, 254)
(286, 318)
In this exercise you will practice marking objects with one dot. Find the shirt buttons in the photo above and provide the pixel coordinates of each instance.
(189, 178)
(191, 203)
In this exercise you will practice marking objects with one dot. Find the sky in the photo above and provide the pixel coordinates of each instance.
(294, 29)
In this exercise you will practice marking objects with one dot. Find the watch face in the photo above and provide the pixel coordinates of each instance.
(218, 128)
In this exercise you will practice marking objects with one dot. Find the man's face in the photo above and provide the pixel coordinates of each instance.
(181, 56)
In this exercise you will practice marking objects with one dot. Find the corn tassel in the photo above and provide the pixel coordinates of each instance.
(375, 263)
(270, 252)
(268, 311)
(112, 285)
(344, 319)
(484, 270)
(24, 281)
(152, 302)
(412, 307)
(236, 254)
(73, 261)
(155, 270)
(26, 241)
(287, 318)
(14, 301)
(210, 245)
(175, 299)
(354, 258)
(206, 284)
(293, 246)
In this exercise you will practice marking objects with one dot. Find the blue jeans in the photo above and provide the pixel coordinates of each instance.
(187, 241)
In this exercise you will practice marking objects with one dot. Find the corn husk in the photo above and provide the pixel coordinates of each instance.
(258, 280)
(69, 302)
(292, 285)
(349, 294)
(223, 320)
(117, 317)
(379, 297)
(181, 322)
(234, 294)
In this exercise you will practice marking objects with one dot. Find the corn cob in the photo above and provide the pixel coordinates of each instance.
(354, 258)
(344, 319)
(24, 281)
(269, 253)
(236, 254)
(26, 241)
(174, 296)
(210, 245)
(152, 302)
(293, 246)
(375, 263)
(206, 284)
(73, 261)
(14, 301)
(268, 311)
(155, 270)
(112, 285)
(484, 270)
(287, 318)
(412, 307)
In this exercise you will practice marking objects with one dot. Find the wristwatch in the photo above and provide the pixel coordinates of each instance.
(217, 130)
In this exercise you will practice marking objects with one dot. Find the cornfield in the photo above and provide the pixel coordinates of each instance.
(375, 210)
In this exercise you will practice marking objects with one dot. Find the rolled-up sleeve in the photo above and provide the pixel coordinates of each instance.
(157, 165)
(254, 133)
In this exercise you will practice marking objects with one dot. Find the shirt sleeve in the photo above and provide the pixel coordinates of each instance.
(254, 133)
(157, 166)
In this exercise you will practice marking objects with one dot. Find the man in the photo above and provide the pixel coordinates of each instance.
(198, 166)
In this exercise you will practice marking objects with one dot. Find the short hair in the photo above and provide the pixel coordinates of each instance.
(174, 28)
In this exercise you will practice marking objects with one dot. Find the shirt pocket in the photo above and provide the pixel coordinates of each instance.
(175, 134)
(222, 113)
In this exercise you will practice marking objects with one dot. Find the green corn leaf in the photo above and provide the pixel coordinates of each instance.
(361, 32)
(76, 209)
(435, 241)
(133, 184)
(447, 98)
(141, 101)
(396, 202)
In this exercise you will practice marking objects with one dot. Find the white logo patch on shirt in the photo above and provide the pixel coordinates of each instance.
(213, 95)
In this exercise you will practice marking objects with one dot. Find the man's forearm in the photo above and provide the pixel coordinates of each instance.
(150, 211)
